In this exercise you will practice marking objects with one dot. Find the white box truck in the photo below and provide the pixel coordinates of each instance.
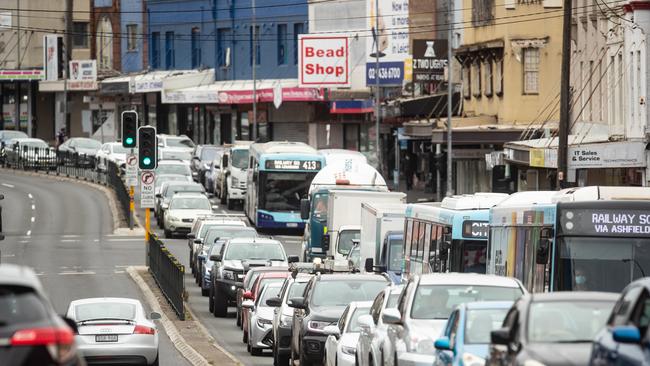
(344, 210)
(382, 237)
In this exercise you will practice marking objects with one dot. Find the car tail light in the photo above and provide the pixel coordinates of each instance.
(58, 341)
(142, 329)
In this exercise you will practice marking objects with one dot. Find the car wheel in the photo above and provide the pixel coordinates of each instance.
(211, 299)
(168, 234)
(256, 351)
(204, 292)
(156, 362)
(220, 304)
(244, 339)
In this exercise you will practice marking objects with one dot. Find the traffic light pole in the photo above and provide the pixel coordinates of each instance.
(131, 203)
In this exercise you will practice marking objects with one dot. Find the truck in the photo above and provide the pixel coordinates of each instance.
(342, 173)
(381, 243)
(231, 184)
(344, 210)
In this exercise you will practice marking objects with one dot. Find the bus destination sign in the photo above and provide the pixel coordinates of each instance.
(293, 164)
(606, 222)
(475, 229)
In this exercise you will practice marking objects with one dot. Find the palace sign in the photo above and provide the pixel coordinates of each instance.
(324, 61)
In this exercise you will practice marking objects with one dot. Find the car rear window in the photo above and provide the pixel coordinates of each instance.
(104, 310)
(20, 305)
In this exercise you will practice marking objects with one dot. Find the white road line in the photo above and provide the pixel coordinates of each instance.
(117, 272)
(70, 236)
(96, 240)
(131, 239)
(123, 266)
(24, 241)
(30, 195)
(7, 255)
(33, 207)
(69, 240)
(215, 207)
(76, 273)
(29, 232)
(33, 218)
(8, 185)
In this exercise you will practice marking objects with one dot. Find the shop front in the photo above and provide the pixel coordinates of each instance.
(19, 109)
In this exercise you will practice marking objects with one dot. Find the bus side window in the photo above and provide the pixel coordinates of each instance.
(426, 244)
(408, 238)
(414, 246)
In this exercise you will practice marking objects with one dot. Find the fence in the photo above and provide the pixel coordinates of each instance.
(168, 273)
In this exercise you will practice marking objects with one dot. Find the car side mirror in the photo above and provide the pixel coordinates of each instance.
(191, 236)
(297, 302)
(442, 344)
(366, 323)
(215, 257)
(71, 323)
(158, 195)
(626, 334)
(304, 208)
(154, 316)
(293, 259)
(198, 241)
(274, 302)
(369, 265)
(332, 330)
(2, 196)
(248, 304)
(248, 295)
(500, 336)
(391, 316)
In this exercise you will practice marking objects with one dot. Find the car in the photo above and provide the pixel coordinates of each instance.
(550, 329)
(200, 229)
(260, 335)
(214, 169)
(236, 258)
(342, 339)
(112, 329)
(322, 304)
(31, 331)
(370, 348)
(175, 143)
(174, 167)
(197, 244)
(80, 145)
(6, 136)
(202, 156)
(30, 152)
(161, 183)
(249, 280)
(113, 152)
(170, 190)
(183, 156)
(293, 286)
(426, 303)
(261, 280)
(466, 336)
(183, 209)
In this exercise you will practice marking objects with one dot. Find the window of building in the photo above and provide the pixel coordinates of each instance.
(498, 77)
(476, 79)
(104, 42)
(467, 78)
(488, 77)
(531, 70)
(196, 47)
(170, 57)
(131, 37)
(155, 50)
(282, 44)
(223, 36)
(80, 34)
(254, 36)
(298, 29)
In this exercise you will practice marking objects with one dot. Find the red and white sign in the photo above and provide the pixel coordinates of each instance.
(324, 61)
(268, 95)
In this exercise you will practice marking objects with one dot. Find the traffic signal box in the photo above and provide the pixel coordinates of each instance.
(147, 148)
(129, 129)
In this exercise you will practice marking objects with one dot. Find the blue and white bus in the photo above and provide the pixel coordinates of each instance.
(279, 176)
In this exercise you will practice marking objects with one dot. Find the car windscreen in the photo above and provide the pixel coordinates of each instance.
(240, 158)
(179, 142)
(20, 305)
(396, 257)
(282, 191)
(172, 190)
(347, 239)
(190, 203)
(180, 169)
(217, 233)
(254, 251)
(103, 310)
(353, 324)
(8, 135)
(88, 144)
(170, 178)
(342, 292)
(567, 321)
(438, 301)
(480, 322)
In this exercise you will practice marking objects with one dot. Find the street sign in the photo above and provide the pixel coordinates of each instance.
(132, 170)
(147, 194)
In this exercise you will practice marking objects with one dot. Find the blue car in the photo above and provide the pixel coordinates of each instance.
(624, 340)
(466, 337)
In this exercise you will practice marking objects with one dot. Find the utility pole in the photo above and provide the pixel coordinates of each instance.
(377, 88)
(565, 116)
(450, 94)
(254, 55)
(18, 66)
(66, 58)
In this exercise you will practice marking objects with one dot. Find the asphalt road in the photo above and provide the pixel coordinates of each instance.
(64, 231)
(224, 330)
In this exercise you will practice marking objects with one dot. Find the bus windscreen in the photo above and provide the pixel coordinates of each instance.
(283, 191)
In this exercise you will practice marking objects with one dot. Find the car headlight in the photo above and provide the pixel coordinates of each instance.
(348, 350)
(533, 363)
(422, 345)
(317, 326)
(235, 181)
(173, 218)
(472, 360)
(286, 321)
(262, 323)
(228, 275)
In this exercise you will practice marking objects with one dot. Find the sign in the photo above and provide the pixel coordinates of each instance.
(389, 42)
(267, 95)
(323, 61)
(146, 86)
(147, 194)
(131, 170)
(21, 74)
(83, 70)
(475, 229)
(190, 95)
(277, 95)
(82, 85)
(543, 158)
(597, 222)
(52, 56)
(607, 155)
(429, 59)
(293, 164)
(5, 20)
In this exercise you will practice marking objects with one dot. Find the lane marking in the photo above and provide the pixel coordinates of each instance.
(118, 272)
(131, 239)
(214, 207)
(29, 232)
(70, 236)
(96, 240)
(33, 218)
(8, 255)
(8, 185)
(68, 240)
(30, 195)
(76, 273)
(33, 207)
(24, 241)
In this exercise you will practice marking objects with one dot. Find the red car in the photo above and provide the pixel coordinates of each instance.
(250, 277)
(261, 280)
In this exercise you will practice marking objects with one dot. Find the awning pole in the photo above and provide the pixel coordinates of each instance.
(450, 91)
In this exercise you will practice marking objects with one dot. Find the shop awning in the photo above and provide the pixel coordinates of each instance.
(153, 81)
(185, 79)
(478, 133)
(115, 85)
(428, 106)
(352, 106)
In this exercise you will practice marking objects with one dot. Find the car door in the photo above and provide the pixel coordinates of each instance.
(639, 317)
(367, 336)
(332, 343)
(446, 358)
(298, 316)
(395, 332)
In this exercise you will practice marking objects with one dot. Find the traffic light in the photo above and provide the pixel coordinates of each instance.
(147, 148)
(129, 129)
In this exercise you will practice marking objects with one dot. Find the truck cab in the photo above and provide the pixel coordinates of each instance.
(235, 165)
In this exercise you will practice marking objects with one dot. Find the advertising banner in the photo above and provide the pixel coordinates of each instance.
(388, 42)
(323, 61)
(429, 59)
(83, 70)
(51, 55)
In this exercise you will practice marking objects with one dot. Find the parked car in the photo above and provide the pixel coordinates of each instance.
(30, 152)
(114, 152)
(115, 329)
(551, 329)
(427, 302)
(31, 331)
(175, 143)
(174, 167)
(80, 145)
(6, 136)
(466, 338)
(342, 339)
(260, 334)
(261, 280)
(373, 337)
(322, 304)
(249, 279)
(183, 209)
(621, 341)
(170, 190)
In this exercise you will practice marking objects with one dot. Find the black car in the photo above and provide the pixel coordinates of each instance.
(201, 158)
(31, 332)
(551, 329)
(322, 304)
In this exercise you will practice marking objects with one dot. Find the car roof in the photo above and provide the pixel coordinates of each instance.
(268, 269)
(189, 195)
(574, 296)
(349, 276)
(99, 300)
(273, 274)
(253, 240)
(481, 305)
(26, 139)
(16, 275)
(468, 279)
(172, 162)
(211, 221)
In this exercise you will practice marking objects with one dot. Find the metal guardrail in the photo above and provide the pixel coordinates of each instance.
(169, 274)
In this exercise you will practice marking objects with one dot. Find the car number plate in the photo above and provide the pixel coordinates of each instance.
(106, 338)
(292, 224)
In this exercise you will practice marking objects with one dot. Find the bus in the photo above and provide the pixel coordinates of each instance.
(278, 177)
(450, 236)
(520, 229)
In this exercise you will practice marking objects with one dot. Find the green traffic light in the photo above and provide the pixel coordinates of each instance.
(129, 140)
(146, 161)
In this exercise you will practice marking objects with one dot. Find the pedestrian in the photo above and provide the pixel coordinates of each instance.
(60, 137)
(408, 171)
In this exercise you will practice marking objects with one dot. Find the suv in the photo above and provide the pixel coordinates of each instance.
(31, 332)
(175, 143)
(283, 317)
(324, 300)
(232, 263)
(178, 167)
(199, 231)
(426, 303)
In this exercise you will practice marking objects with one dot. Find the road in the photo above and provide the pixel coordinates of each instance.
(64, 231)
(224, 330)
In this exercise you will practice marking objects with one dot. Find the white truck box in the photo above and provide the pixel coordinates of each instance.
(377, 219)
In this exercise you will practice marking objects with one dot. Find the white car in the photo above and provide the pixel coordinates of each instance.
(174, 167)
(112, 151)
(425, 305)
(260, 326)
(169, 190)
(341, 344)
(115, 329)
(175, 143)
(373, 336)
(183, 209)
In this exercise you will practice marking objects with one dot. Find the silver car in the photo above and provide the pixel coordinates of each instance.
(260, 335)
(115, 329)
(373, 337)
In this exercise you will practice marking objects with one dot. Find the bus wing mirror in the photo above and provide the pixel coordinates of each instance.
(369, 265)
(304, 208)
(542, 251)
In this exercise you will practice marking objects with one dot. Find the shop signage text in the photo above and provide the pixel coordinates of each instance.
(389, 41)
(83, 70)
(267, 95)
(21, 74)
(429, 59)
(145, 86)
(323, 61)
(475, 229)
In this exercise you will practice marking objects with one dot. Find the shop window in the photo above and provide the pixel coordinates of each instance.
(80, 34)
(476, 80)
(531, 70)
(132, 37)
(466, 82)
(282, 44)
(196, 47)
(487, 74)
(222, 50)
